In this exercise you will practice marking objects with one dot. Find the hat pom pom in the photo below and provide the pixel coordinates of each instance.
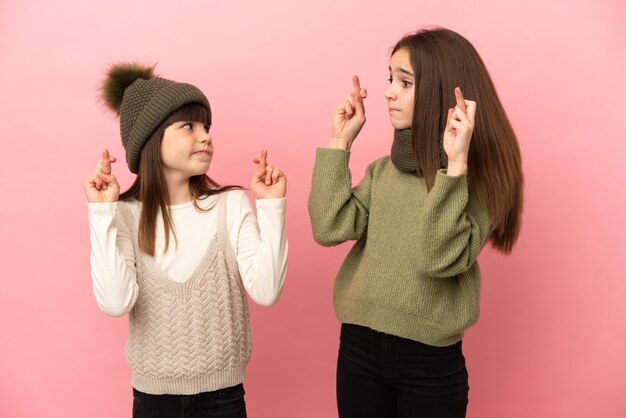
(118, 78)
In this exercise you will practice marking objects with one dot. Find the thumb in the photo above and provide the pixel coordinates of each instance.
(109, 179)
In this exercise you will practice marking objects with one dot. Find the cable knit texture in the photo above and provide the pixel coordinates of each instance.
(191, 337)
(413, 270)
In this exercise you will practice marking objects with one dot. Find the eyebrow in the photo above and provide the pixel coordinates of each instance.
(403, 71)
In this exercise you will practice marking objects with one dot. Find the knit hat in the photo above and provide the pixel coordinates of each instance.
(143, 101)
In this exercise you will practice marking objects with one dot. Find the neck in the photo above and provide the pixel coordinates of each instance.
(402, 154)
(178, 189)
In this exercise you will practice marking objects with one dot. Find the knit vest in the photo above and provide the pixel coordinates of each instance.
(191, 337)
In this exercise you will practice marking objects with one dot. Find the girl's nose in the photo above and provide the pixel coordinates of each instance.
(389, 94)
(206, 137)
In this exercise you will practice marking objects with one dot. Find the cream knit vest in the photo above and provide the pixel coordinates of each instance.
(191, 337)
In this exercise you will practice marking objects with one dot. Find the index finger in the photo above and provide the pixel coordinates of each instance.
(263, 159)
(357, 98)
(357, 86)
(460, 101)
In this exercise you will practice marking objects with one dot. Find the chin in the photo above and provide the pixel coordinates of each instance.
(398, 126)
(200, 172)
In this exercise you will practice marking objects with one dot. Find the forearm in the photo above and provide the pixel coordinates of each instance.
(112, 270)
(453, 227)
(338, 213)
(262, 252)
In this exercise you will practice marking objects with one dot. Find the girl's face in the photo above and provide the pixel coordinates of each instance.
(186, 149)
(401, 92)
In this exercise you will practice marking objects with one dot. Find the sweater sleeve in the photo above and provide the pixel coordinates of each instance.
(262, 249)
(452, 229)
(337, 211)
(112, 260)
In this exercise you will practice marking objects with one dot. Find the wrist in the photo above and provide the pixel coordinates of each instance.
(456, 169)
(339, 143)
(271, 196)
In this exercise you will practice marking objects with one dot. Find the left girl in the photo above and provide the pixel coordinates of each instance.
(176, 251)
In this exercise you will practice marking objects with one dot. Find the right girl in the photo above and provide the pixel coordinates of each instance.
(410, 286)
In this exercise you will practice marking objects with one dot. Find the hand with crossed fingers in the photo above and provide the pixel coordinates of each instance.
(349, 118)
(101, 185)
(268, 182)
(458, 133)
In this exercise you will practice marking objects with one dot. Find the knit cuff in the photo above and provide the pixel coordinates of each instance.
(331, 157)
(446, 187)
(443, 172)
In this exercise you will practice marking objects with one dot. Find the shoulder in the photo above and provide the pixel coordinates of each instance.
(235, 199)
(237, 204)
(130, 203)
(378, 166)
(132, 207)
(235, 194)
(382, 162)
(238, 210)
(127, 214)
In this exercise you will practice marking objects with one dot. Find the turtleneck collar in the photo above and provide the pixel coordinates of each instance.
(403, 155)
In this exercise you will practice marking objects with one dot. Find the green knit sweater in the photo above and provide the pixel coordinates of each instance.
(413, 270)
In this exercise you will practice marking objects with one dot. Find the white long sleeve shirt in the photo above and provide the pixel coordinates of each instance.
(261, 249)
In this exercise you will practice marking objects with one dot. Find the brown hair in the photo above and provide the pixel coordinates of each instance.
(150, 187)
(442, 60)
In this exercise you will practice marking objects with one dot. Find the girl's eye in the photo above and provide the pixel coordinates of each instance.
(188, 126)
(207, 128)
(405, 83)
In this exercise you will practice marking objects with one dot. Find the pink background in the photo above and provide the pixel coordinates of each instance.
(551, 341)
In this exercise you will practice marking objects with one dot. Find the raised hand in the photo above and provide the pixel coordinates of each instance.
(349, 117)
(101, 185)
(268, 182)
(458, 133)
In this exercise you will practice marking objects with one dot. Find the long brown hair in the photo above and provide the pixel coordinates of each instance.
(442, 60)
(150, 187)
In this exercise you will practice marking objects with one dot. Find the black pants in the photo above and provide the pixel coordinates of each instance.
(384, 376)
(223, 403)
